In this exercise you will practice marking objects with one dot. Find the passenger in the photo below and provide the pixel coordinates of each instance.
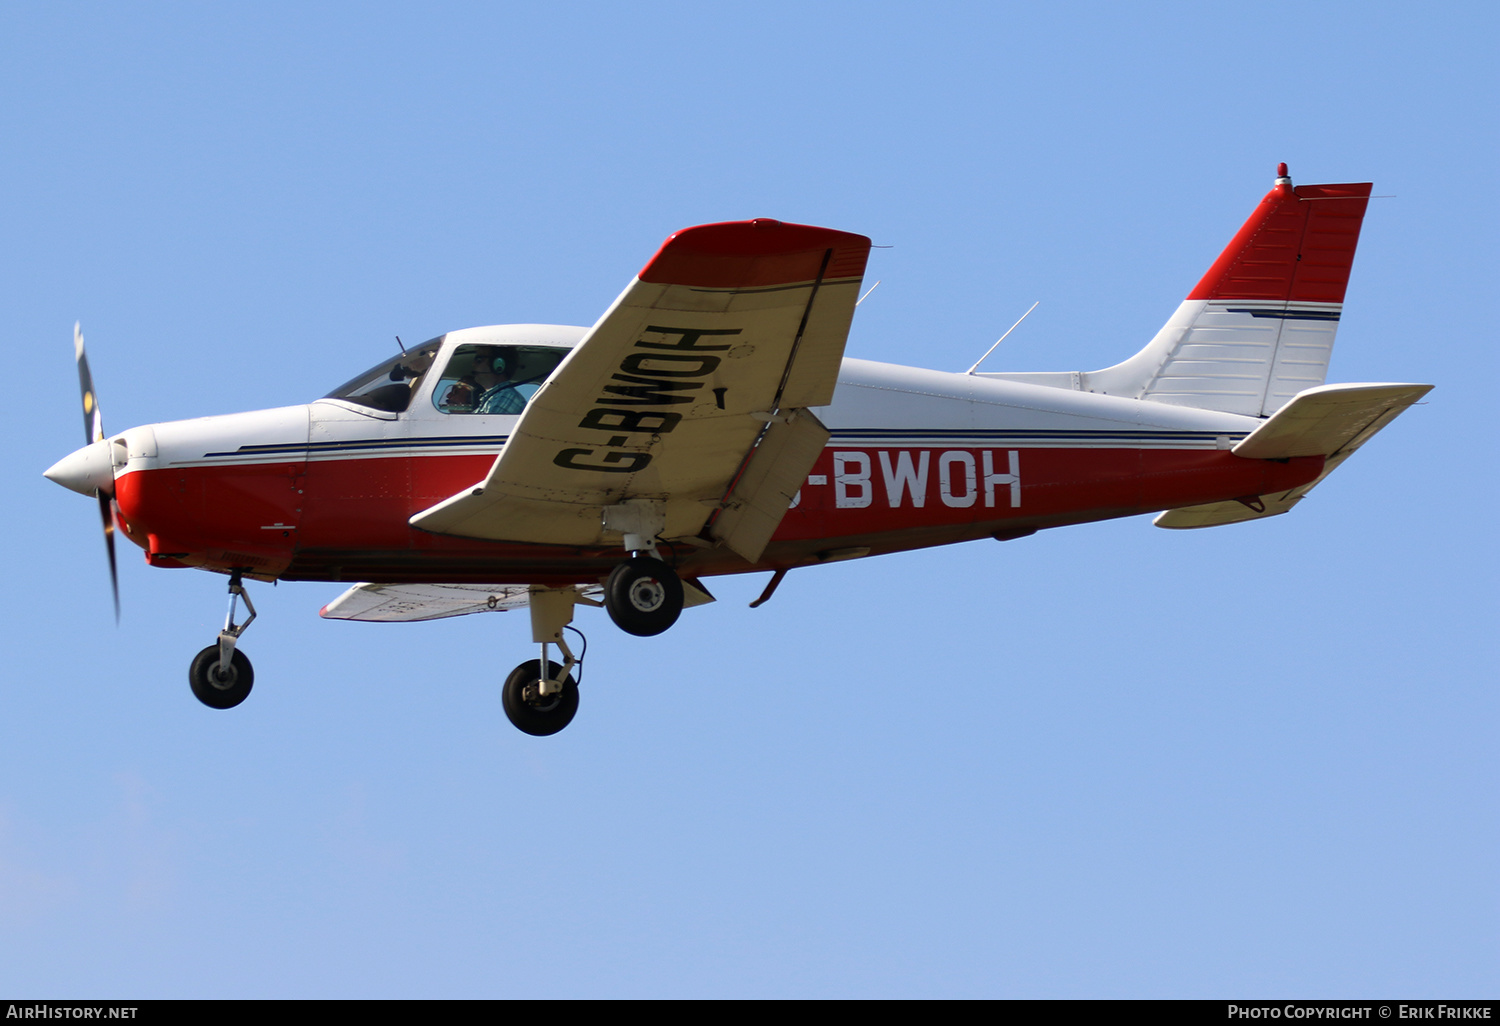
(460, 395)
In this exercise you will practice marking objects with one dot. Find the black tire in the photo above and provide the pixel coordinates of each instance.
(643, 596)
(220, 691)
(538, 717)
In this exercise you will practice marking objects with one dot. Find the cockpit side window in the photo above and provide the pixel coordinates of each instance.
(494, 379)
(389, 386)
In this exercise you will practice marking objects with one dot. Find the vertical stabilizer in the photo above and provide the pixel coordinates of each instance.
(1258, 327)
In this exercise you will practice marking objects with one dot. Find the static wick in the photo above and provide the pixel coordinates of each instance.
(1002, 338)
(866, 296)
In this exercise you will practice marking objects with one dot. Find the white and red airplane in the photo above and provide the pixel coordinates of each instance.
(710, 424)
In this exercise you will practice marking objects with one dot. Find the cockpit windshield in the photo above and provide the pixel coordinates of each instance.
(494, 379)
(389, 386)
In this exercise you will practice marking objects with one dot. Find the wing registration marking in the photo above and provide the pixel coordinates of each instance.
(662, 373)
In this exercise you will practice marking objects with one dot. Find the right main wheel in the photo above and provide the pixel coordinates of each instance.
(643, 596)
(533, 713)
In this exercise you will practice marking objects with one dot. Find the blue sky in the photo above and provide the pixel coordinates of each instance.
(1098, 762)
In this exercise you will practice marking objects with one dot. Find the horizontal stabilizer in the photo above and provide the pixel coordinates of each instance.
(1216, 514)
(1331, 421)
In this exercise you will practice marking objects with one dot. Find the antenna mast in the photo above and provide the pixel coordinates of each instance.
(1002, 338)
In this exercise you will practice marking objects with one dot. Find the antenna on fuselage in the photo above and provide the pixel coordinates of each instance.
(398, 342)
(1002, 338)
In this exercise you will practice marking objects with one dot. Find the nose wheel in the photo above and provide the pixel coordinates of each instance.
(217, 687)
(643, 596)
(220, 675)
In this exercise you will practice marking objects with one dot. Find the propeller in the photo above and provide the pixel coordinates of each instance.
(93, 431)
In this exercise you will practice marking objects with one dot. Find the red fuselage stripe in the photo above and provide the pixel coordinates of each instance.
(270, 514)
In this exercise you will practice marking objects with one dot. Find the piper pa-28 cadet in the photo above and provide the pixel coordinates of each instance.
(710, 424)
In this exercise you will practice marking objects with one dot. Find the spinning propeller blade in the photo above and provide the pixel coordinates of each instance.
(107, 513)
(93, 431)
(93, 423)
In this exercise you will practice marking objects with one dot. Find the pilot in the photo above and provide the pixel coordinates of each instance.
(493, 367)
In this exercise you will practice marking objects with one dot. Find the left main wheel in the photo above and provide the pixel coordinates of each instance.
(218, 689)
(533, 713)
(643, 596)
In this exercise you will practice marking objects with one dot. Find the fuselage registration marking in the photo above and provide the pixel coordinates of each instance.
(961, 480)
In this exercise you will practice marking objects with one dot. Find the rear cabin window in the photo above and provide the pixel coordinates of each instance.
(494, 379)
(389, 386)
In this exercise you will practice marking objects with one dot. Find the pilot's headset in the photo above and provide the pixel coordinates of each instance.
(499, 363)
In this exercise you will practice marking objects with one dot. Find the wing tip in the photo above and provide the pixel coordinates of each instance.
(754, 254)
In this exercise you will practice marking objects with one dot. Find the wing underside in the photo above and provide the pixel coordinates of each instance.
(406, 603)
(411, 603)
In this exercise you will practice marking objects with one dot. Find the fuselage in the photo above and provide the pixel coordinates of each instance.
(324, 491)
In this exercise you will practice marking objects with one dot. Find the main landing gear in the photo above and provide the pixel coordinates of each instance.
(643, 595)
(221, 675)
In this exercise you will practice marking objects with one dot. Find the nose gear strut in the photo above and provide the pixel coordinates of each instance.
(221, 675)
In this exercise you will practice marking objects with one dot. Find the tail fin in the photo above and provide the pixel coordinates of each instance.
(1259, 327)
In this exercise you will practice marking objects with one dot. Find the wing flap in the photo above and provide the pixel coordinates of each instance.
(777, 469)
(659, 400)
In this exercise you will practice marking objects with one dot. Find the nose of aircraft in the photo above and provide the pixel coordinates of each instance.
(86, 471)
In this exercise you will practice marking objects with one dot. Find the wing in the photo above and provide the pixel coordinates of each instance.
(408, 603)
(728, 329)
(404, 603)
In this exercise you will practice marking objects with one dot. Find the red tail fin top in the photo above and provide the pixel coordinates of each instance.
(1298, 246)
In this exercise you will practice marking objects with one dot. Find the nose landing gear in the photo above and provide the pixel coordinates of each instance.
(221, 675)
